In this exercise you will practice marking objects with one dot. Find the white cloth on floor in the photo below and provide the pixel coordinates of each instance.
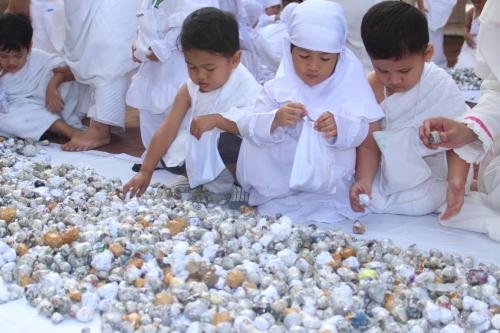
(99, 34)
(438, 12)
(481, 211)
(25, 90)
(467, 55)
(412, 179)
(48, 20)
(266, 159)
(354, 12)
(203, 162)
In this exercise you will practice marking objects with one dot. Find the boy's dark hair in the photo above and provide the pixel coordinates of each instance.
(15, 32)
(210, 29)
(393, 29)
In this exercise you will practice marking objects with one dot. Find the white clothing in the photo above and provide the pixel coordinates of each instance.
(269, 42)
(438, 13)
(48, 20)
(271, 3)
(412, 179)
(203, 162)
(354, 12)
(99, 34)
(266, 161)
(155, 85)
(481, 211)
(467, 56)
(27, 116)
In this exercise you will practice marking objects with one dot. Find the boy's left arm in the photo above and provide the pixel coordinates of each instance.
(458, 170)
(53, 100)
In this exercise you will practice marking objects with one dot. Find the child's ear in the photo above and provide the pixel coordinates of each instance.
(236, 59)
(429, 52)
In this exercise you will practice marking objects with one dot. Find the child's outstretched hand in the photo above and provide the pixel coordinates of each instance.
(359, 187)
(53, 100)
(326, 124)
(453, 134)
(288, 115)
(138, 184)
(202, 124)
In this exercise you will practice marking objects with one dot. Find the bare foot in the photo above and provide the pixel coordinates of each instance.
(95, 136)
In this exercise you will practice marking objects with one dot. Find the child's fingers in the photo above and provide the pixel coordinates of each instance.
(296, 105)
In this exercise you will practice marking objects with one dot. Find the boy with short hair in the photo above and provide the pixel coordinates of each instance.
(412, 179)
(36, 98)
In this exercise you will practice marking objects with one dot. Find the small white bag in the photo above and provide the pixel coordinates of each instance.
(314, 163)
(402, 167)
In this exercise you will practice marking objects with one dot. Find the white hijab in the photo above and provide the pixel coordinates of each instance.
(320, 25)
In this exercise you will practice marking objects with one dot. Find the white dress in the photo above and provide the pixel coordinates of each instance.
(438, 13)
(99, 34)
(412, 179)
(26, 115)
(48, 20)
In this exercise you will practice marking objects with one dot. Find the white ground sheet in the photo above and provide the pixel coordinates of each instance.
(424, 231)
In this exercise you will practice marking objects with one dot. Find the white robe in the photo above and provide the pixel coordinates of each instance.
(438, 13)
(413, 179)
(154, 86)
(25, 91)
(48, 20)
(266, 159)
(481, 211)
(232, 100)
(99, 34)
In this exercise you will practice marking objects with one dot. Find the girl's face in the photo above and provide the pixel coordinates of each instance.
(313, 67)
(403, 74)
(13, 61)
(209, 70)
(273, 10)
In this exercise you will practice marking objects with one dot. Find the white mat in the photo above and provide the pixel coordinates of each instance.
(424, 231)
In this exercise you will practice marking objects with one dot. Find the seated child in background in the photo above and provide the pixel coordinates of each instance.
(37, 100)
(210, 102)
(467, 56)
(412, 179)
(298, 152)
(271, 10)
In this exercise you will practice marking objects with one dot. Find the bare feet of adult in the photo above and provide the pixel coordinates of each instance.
(97, 135)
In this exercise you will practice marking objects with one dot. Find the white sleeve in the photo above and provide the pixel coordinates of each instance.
(256, 126)
(351, 132)
(162, 48)
(484, 120)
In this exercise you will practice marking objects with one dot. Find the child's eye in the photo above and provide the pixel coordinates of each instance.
(210, 69)
(325, 59)
(404, 71)
(304, 56)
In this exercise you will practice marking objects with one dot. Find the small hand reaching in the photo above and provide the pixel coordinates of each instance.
(359, 187)
(326, 124)
(288, 115)
(137, 185)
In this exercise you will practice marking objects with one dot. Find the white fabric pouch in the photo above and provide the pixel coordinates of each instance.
(402, 167)
(313, 167)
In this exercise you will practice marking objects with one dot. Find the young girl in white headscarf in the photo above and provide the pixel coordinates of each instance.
(299, 146)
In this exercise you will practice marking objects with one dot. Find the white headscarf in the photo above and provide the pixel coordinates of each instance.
(286, 13)
(320, 25)
(271, 3)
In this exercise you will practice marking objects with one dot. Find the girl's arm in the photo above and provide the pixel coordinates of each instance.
(458, 170)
